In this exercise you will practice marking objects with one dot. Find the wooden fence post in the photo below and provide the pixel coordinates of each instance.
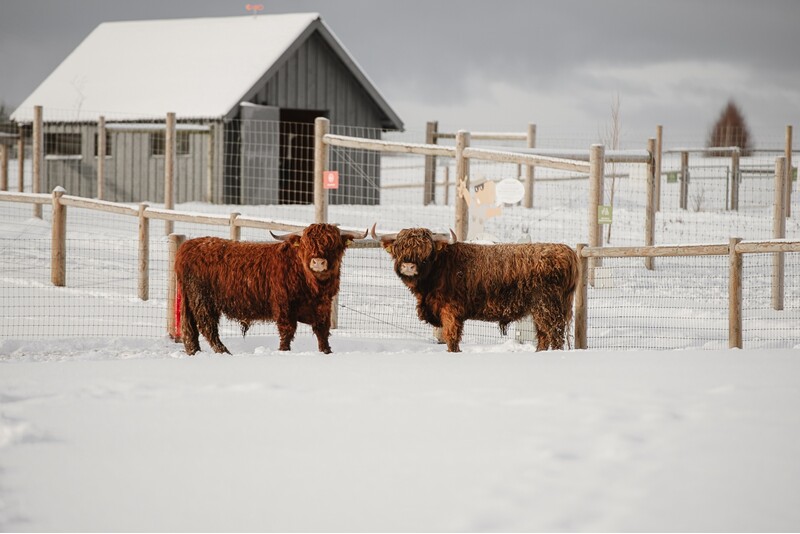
(173, 327)
(650, 210)
(734, 295)
(658, 155)
(778, 232)
(101, 157)
(335, 312)
(38, 157)
(321, 128)
(144, 253)
(684, 177)
(530, 170)
(3, 167)
(581, 300)
(462, 185)
(236, 231)
(597, 155)
(429, 188)
(735, 179)
(788, 184)
(169, 169)
(21, 160)
(58, 250)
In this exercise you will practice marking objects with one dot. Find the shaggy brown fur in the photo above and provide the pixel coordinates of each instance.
(455, 282)
(249, 282)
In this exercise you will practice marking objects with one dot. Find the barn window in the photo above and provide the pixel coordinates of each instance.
(158, 143)
(62, 144)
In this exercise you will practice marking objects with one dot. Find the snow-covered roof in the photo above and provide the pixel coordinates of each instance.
(197, 68)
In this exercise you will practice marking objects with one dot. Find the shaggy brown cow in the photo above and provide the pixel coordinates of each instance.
(455, 281)
(294, 280)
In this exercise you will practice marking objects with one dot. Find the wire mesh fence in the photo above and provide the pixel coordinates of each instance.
(264, 168)
(683, 303)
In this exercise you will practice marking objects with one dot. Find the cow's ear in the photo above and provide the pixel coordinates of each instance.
(348, 242)
(440, 245)
(293, 240)
(387, 246)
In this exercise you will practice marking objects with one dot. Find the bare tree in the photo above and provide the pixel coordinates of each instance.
(729, 130)
(5, 121)
(610, 138)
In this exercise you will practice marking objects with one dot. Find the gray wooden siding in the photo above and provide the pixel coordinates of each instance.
(315, 78)
(133, 174)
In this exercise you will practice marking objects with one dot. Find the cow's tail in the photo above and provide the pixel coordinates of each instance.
(187, 323)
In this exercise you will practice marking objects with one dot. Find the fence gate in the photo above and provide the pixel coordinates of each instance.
(260, 158)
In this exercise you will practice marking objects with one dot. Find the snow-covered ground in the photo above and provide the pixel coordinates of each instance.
(106, 425)
(121, 435)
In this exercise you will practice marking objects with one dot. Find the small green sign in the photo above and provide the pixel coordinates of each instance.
(672, 177)
(605, 214)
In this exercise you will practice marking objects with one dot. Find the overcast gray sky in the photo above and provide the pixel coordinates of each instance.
(498, 65)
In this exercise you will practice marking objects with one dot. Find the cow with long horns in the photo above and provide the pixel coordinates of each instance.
(454, 282)
(287, 282)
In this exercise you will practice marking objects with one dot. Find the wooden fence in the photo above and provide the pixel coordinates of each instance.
(734, 250)
(591, 161)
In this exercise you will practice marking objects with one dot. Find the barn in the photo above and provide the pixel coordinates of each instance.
(245, 91)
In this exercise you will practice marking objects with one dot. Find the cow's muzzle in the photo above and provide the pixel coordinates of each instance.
(318, 265)
(408, 269)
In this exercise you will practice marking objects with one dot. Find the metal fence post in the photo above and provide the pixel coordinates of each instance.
(650, 210)
(734, 295)
(778, 232)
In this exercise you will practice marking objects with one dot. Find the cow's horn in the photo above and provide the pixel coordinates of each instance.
(283, 237)
(382, 238)
(354, 235)
(442, 238)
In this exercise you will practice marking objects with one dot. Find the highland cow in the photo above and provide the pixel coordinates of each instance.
(286, 283)
(454, 282)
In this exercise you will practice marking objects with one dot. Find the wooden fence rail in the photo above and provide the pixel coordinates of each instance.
(60, 201)
(734, 249)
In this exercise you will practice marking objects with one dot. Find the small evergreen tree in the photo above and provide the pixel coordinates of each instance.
(730, 130)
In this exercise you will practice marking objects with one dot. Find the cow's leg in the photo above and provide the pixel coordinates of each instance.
(214, 340)
(452, 328)
(189, 332)
(286, 329)
(322, 330)
(548, 318)
(558, 336)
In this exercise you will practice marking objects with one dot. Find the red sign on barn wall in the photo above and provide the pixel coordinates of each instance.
(330, 179)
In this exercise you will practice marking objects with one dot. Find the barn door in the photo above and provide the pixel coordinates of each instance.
(297, 155)
(260, 163)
